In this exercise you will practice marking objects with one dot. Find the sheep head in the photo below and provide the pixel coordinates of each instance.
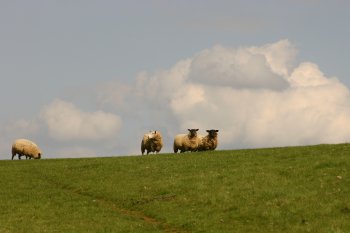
(192, 132)
(213, 133)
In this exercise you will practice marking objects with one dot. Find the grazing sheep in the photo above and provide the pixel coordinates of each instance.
(186, 142)
(152, 142)
(210, 141)
(24, 147)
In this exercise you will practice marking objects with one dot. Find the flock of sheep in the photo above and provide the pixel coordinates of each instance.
(151, 142)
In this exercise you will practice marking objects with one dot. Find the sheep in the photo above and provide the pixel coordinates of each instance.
(210, 141)
(151, 142)
(24, 147)
(186, 142)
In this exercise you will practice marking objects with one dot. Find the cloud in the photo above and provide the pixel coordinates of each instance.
(242, 68)
(63, 130)
(255, 96)
(21, 127)
(66, 122)
(309, 75)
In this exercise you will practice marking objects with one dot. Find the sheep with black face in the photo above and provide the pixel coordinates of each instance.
(210, 141)
(186, 142)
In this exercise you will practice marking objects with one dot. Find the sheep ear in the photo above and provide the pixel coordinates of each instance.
(217, 130)
(197, 129)
(208, 130)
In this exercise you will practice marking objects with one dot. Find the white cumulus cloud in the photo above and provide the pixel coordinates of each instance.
(256, 97)
(66, 122)
(237, 68)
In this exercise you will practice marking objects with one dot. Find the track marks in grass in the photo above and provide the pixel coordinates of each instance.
(109, 204)
(167, 197)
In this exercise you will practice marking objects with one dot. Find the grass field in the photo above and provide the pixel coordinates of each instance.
(293, 189)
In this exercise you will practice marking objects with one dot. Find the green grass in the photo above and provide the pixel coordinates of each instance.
(293, 189)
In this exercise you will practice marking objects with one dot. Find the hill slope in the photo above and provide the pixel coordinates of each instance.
(295, 189)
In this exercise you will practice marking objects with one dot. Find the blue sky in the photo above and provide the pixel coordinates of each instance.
(74, 68)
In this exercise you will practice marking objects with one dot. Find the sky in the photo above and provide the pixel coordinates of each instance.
(89, 78)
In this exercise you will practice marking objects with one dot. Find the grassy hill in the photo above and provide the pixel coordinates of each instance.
(293, 189)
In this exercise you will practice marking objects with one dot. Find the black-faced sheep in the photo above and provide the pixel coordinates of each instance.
(24, 147)
(186, 142)
(210, 141)
(151, 142)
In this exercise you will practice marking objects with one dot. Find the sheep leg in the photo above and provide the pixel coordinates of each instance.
(13, 155)
(175, 148)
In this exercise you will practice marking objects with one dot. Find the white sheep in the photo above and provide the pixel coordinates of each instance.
(210, 141)
(151, 142)
(24, 147)
(186, 142)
